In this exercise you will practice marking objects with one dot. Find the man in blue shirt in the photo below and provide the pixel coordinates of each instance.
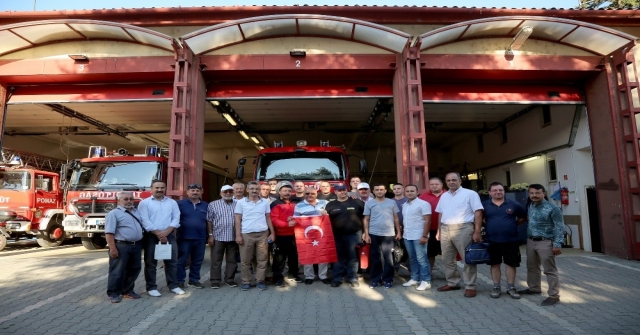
(123, 233)
(160, 218)
(192, 236)
(502, 217)
(546, 232)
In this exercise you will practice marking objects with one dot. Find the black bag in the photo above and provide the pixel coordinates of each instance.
(477, 253)
(398, 252)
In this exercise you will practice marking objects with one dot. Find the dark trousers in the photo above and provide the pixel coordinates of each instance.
(285, 250)
(124, 270)
(381, 259)
(151, 264)
(193, 249)
(347, 263)
(218, 252)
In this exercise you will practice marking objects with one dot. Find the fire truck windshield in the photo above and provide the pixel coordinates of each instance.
(301, 166)
(115, 175)
(15, 180)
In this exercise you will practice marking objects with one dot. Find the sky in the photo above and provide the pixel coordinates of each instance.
(28, 5)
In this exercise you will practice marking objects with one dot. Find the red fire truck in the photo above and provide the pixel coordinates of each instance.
(30, 205)
(309, 164)
(95, 182)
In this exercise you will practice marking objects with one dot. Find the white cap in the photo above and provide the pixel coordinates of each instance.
(226, 188)
(363, 185)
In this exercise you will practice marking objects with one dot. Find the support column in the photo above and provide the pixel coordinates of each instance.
(614, 117)
(4, 99)
(411, 140)
(186, 136)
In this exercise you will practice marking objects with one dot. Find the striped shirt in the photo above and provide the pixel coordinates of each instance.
(220, 214)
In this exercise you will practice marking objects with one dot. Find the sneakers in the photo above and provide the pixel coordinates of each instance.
(374, 285)
(177, 291)
(132, 295)
(245, 287)
(411, 283)
(154, 293)
(231, 284)
(261, 286)
(326, 281)
(336, 284)
(496, 292)
(195, 284)
(513, 293)
(181, 285)
(308, 281)
(280, 283)
(424, 285)
(115, 299)
(215, 286)
(550, 301)
(388, 284)
(354, 283)
(298, 279)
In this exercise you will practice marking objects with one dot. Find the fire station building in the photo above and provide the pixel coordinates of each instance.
(545, 96)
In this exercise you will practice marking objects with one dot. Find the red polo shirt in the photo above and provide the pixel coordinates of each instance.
(433, 201)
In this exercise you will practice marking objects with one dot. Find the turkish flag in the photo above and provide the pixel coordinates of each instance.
(314, 240)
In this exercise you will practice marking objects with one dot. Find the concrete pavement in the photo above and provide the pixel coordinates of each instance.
(63, 291)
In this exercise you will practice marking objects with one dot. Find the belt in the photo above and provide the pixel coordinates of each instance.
(539, 238)
(127, 242)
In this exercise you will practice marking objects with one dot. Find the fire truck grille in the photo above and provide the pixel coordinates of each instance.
(101, 207)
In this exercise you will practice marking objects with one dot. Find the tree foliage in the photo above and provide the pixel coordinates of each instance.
(613, 4)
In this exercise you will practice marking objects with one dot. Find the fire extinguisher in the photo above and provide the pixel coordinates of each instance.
(564, 196)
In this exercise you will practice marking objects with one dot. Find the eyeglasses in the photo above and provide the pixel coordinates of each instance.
(126, 199)
(192, 186)
(227, 191)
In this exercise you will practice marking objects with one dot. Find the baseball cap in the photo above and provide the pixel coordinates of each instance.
(363, 185)
(283, 183)
(226, 188)
(340, 187)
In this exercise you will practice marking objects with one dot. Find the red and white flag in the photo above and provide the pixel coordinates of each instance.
(314, 240)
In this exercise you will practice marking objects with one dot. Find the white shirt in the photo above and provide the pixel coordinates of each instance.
(458, 207)
(159, 214)
(254, 218)
(413, 212)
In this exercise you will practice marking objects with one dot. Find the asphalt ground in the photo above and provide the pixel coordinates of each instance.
(63, 291)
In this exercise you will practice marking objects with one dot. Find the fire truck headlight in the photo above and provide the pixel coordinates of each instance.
(38, 213)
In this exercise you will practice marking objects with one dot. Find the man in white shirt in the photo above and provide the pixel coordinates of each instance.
(460, 212)
(417, 223)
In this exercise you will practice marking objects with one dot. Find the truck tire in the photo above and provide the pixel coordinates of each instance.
(48, 244)
(94, 243)
(3, 242)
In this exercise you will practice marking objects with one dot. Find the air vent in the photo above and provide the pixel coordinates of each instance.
(362, 89)
(157, 92)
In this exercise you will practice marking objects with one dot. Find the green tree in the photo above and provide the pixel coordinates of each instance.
(613, 4)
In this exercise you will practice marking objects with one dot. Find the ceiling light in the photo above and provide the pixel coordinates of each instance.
(230, 119)
(215, 103)
(255, 140)
(519, 39)
(79, 57)
(527, 159)
(241, 132)
(260, 147)
(297, 53)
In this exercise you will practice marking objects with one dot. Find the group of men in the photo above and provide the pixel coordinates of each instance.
(261, 227)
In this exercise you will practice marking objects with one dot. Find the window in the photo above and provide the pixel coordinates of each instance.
(503, 128)
(507, 175)
(546, 115)
(480, 144)
(553, 173)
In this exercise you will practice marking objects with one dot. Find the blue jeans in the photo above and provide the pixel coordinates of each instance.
(124, 270)
(381, 259)
(420, 268)
(347, 257)
(151, 264)
(195, 250)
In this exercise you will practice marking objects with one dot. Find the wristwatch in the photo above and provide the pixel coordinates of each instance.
(425, 236)
(210, 234)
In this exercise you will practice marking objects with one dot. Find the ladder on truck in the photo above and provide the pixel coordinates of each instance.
(33, 160)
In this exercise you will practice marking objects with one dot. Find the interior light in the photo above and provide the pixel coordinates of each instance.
(520, 38)
(230, 119)
(260, 147)
(215, 103)
(528, 159)
(255, 140)
(243, 134)
(297, 53)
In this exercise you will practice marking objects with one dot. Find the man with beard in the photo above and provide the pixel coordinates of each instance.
(346, 221)
(220, 226)
(123, 233)
(285, 249)
(160, 217)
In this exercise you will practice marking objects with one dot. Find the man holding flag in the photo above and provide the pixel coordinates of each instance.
(311, 206)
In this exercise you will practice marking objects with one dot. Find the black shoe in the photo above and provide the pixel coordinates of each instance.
(326, 281)
(308, 281)
(215, 286)
(195, 284)
(528, 292)
(550, 301)
(231, 284)
(298, 279)
(354, 283)
(336, 284)
(280, 283)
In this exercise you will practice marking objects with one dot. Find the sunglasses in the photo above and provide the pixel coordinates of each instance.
(227, 191)
(192, 186)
